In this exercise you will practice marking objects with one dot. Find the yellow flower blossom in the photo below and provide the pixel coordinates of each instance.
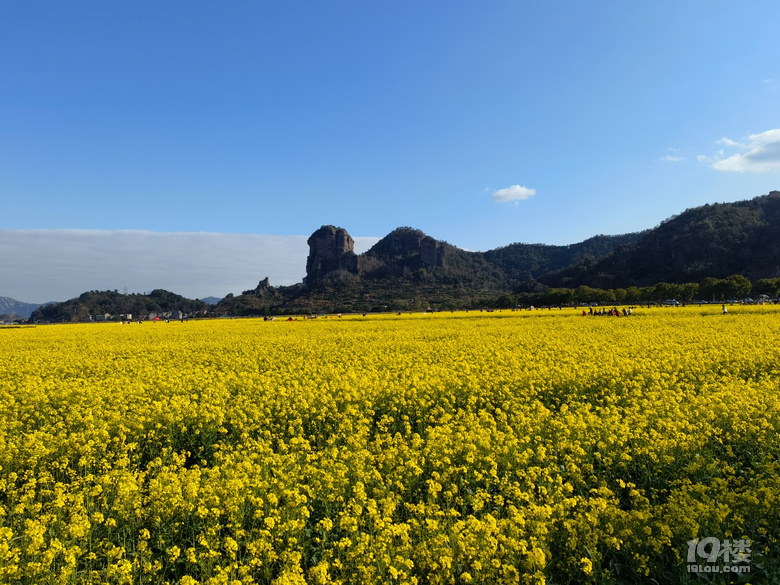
(506, 447)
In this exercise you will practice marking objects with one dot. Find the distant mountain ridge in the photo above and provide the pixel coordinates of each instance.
(13, 307)
(211, 300)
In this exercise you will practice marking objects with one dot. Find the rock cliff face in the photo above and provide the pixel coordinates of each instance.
(331, 249)
(264, 289)
(404, 243)
(432, 252)
(332, 257)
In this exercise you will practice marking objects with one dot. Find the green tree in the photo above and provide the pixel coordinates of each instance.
(633, 294)
(767, 286)
(558, 296)
(688, 292)
(737, 287)
(506, 302)
(712, 289)
(662, 291)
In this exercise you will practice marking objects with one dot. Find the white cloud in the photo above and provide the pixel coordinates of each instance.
(761, 154)
(513, 193)
(672, 158)
(55, 265)
(729, 142)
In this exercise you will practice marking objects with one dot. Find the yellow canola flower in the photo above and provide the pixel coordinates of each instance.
(506, 447)
(587, 565)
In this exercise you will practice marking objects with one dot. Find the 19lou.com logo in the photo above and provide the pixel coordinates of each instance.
(711, 555)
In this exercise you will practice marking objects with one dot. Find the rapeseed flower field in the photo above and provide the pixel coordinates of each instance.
(510, 447)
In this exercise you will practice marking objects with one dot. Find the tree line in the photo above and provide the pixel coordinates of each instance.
(710, 289)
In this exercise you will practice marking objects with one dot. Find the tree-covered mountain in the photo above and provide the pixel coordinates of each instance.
(522, 263)
(97, 304)
(715, 240)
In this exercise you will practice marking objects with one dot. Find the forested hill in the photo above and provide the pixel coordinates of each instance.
(96, 304)
(715, 240)
(525, 262)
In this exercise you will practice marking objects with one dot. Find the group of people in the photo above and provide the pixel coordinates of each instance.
(613, 312)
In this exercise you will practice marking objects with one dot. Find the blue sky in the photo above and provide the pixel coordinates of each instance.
(481, 123)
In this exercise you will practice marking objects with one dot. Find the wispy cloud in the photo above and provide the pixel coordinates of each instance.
(46, 265)
(514, 193)
(760, 154)
(729, 142)
(673, 156)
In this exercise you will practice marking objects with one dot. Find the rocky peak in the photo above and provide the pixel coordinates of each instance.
(405, 242)
(330, 249)
(263, 289)
(264, 286)
(330, 240)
